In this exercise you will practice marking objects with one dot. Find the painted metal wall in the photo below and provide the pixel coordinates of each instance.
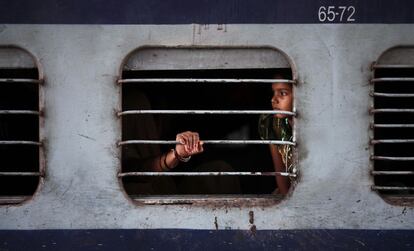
(81, 65)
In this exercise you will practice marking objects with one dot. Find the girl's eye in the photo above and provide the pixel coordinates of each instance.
(283, 93)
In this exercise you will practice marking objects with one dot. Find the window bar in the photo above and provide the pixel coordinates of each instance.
(19, 80)
(380, 141)
(20, 142)
(392, 95)
(392, 158)
(20, 174)
(391, 188)
(173, 142)
(392, 172)
(206, 174)
(392, 66)
(203, 80)
(205, 112)
(392, 125)
(392, 80)
(391, 110)
(13, 199)
(3, 112)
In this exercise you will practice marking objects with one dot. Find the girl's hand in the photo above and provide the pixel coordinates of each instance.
(190, 144)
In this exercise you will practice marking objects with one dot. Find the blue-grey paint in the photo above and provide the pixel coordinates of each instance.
(164, 239)
(202, 12)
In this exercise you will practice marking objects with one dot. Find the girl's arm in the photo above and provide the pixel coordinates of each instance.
(283, 183)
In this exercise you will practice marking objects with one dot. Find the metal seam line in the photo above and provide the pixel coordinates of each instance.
(173, 142)
(19, 80)
(205, 112)
(204, 80)
(206, 174)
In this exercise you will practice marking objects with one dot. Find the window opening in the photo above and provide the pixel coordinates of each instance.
(393, 125)
(20, 149)
(222, 102)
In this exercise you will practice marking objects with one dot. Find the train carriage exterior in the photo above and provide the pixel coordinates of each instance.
(76, 58)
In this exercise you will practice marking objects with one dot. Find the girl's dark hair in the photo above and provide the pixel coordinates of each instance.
(284, 73)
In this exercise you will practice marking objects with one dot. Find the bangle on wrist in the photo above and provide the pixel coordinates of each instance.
(164, 167)
(182, 159)
(165, 162)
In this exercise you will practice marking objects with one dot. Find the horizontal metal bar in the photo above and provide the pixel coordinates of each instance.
(392, 158)
(393, 125)
(392, 172)
(209, 199)
(391, 188)
(393, 95)
(5, 112)
(392, 66)
(235, 142)
(380, 141)
(391, 110)
(19, 80)
(205, 112)
(392, 80)
(20, 174)
(203, 80)
(14, 142)
(12, 199)
(206, 174)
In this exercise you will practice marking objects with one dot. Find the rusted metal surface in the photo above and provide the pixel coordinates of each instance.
(212, 201)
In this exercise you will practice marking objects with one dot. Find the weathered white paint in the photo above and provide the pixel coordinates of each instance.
(81, 65)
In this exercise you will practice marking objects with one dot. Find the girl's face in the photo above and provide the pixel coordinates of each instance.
(282, 98)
